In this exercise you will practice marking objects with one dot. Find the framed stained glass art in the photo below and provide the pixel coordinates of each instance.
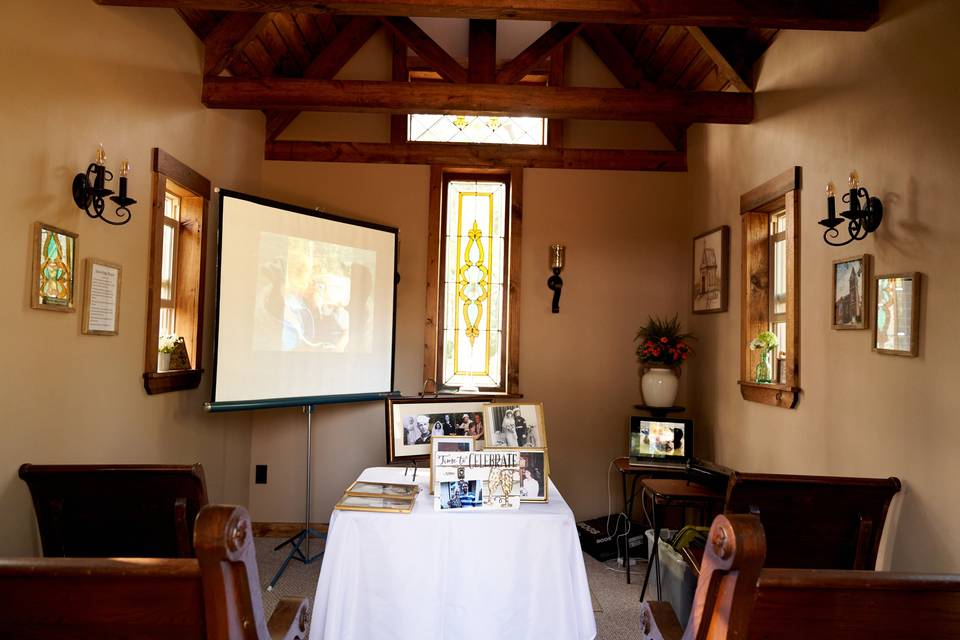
(54, 268)
(896, 323)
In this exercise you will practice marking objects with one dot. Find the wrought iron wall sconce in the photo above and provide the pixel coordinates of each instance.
(555, 282)
(89, 190)
(861, 220)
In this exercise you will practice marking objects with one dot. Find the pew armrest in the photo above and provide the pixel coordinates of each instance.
(659, 622)
(289, 619)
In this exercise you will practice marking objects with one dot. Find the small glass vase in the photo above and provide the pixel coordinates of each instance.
(762, 372)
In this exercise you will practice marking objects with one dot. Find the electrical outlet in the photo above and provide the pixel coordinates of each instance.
(260, 476)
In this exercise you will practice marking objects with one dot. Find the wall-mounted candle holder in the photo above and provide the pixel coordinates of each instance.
(558, 254)
(89, 190)
(862, 220)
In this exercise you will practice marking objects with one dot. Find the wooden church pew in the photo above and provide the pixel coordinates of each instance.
(102, 511)
(215, 596)
(738, 599)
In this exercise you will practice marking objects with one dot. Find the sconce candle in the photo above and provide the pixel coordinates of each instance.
(89, 190)
(558, 254)
(862, 220)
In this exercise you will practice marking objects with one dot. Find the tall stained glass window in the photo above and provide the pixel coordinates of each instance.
(436, 127)
(474, 228)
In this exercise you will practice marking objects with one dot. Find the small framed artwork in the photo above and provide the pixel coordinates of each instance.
(447, 444)
(368, 503)
(383, 490)
(851, 303)
(411, 422)
(512, 425)
(479, 480)
(101, 298)
(533, 475)
(711, 277)
(896, 323)
(53, 269)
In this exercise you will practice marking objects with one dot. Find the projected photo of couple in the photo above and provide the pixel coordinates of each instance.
(313, 296)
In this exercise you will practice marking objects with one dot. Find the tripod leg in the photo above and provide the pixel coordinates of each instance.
(289, 540)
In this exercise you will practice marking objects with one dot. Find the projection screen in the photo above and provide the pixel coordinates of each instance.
(306, 306)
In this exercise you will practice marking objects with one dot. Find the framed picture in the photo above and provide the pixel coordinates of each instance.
(53, 269)
(479, 480)
(533, 475)
(711, 270)
(101, 298)
(447, 444)
(411, 422)
(896, 322)
(851, 304)
(368, 503)
(512, 425)
(383, 490)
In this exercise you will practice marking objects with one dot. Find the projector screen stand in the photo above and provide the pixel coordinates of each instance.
(302, 538)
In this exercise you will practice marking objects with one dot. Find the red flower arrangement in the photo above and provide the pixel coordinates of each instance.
(662, 344)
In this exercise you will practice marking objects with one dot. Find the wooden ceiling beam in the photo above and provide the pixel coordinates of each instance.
(558, 35)
(327, 63)
(415, 38)
(482, 51)
(478, 99)
(726, 69)
(229, 38)
(622, 65)
(477, 155)
(837, 15)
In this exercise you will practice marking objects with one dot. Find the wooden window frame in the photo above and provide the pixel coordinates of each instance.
(510, 351)
(169, 174)
(781, 193)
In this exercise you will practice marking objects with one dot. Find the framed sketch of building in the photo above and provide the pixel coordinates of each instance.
(851, 304)
(711, 278)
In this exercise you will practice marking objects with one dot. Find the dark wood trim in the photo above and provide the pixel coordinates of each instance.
(850, 15)
(477, 155)
(482, 47)
(400, 72)
(229, 38)
(557, 78)
(162, 382)
(726, 69)
(417, 39)
(431, 338)
(371, 96)
(768, 196)
(512, 369)
(180, 173)
(555, 38)
(773, 394)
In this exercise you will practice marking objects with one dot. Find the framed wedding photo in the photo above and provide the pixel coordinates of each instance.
(533, 475)
(711, 270)
(447, 444)
(512, 425)
(53, 270)
(851, 293)
(411, 422)
(896, 322)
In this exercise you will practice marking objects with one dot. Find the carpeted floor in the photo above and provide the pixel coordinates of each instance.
(615, 603)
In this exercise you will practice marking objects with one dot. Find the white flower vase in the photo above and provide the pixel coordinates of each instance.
(163, 362)
(659, 387)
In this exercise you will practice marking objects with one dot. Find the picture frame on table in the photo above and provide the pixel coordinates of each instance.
(896, 314)
(372, 503)
(411, 423)
(711, 271)
(448, 444)
(850, 284)
(383, 490)
(53, 268)
(477, 480)
(534, 483)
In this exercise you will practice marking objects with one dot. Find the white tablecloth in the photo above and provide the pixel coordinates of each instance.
(452, 576)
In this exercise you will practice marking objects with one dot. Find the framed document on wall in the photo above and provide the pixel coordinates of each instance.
(101, 298)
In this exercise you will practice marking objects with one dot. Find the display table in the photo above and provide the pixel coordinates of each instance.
(474, 575)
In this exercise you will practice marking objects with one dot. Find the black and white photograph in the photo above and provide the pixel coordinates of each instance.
(533, 475)
(461, 494)
(412, 422)
(370, 503)
(515, 425)
(850, 294)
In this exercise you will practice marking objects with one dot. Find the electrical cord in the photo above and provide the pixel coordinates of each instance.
(620, 516)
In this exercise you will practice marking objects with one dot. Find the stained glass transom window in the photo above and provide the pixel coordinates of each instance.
(475, 222)
(432, 127)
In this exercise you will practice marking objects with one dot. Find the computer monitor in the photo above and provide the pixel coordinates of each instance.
(660, 440)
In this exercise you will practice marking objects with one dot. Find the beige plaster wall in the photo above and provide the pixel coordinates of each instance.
(76, 74)
(882, 102)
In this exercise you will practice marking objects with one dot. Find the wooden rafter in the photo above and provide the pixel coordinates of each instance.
(557, 36)
(558, 71)
(621, 64)
(726, 69)
(229, 38)
(415, 38)
(836, 15)
(478, 99)
(327, 63)
(399, 73)
(477, 155)
(482, 51)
